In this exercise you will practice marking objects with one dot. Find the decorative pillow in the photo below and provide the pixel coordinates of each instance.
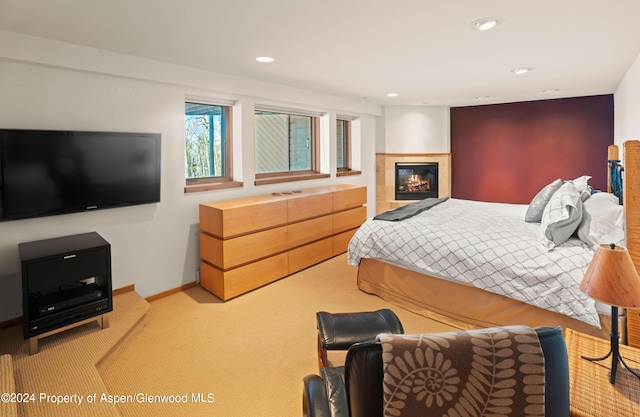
(582, 183)
(606, 198)
(562, 215)
(586, 194)
(539, 202)
(602, 221)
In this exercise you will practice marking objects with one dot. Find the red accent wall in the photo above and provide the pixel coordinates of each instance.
(508, 152)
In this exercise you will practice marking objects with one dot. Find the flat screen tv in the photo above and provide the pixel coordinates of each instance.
(46, 173)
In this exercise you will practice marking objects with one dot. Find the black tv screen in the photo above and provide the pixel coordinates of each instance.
(45, 173)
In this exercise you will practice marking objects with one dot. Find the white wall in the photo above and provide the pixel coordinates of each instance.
(51, 85)
(415, 129)
(627, 106)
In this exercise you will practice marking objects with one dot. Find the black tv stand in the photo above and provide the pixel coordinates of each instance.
(66, 282)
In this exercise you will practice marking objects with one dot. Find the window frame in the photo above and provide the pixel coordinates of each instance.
(225, 180)
(314, 144)
(346, 144)
(348, 147)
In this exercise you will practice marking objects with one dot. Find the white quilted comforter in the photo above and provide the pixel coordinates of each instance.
(488, 245)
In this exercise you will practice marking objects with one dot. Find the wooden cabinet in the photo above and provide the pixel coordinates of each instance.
(246, 243)
(66, 281)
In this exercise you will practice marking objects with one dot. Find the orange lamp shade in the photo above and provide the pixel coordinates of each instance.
(611, 278)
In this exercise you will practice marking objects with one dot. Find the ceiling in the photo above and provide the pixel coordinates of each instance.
(423, 50)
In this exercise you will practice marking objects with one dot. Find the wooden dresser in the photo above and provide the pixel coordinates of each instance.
(246, 243)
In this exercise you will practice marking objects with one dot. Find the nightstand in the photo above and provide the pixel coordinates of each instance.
(590, 390)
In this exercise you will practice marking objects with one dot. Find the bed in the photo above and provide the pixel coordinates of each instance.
(473, 264)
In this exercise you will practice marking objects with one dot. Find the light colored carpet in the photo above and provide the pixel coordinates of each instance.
(243, 357)
(64, 369)
(250, 353)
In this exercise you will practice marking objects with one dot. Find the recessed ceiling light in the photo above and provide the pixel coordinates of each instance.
(264, 59)
(483, 98)
(392, 94)
(522, 70)
(486, 23)
(551, 90)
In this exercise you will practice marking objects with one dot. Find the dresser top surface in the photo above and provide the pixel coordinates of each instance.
(282, 196)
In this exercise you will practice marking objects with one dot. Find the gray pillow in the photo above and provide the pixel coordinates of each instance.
(562, 216)
(540, 201)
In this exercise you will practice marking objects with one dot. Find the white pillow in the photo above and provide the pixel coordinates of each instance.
(602, 221)
(562, 215)
(581, 183)
(606, 198)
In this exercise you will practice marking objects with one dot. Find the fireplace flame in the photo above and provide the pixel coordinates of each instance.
(416, 183)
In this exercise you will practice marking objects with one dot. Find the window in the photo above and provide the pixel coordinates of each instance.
(207, 144)
(343, 137)
(347, 146)
(286, 145)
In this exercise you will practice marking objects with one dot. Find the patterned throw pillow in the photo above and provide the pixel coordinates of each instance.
(540, 201)
(562, 215)
(583, 187)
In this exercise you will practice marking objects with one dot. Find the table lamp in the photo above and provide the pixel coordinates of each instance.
(611, 278)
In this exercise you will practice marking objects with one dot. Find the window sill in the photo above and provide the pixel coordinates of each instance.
(289, 178)
(346, 173)
(212, 186)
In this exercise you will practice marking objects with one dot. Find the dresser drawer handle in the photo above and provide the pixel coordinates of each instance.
(69, 257)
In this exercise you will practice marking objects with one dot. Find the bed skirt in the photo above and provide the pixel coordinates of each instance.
(459, 305)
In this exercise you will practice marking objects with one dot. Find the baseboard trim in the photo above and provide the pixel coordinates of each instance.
(10, 323)
(170, 292)
(125, 289)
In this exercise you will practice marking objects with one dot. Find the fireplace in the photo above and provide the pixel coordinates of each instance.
(416, 180)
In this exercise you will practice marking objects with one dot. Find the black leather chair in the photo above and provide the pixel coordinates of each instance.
(355, 390)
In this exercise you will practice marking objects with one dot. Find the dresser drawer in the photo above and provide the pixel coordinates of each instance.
(232, 283)
(306, 207)
(309, 231)
(240, 250)
(226, 221)
(349, 198)
(310, 254)
(349, 219)
(341, 241)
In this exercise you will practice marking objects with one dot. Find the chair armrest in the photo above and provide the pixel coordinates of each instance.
(556, 368)
(335, 389)
(314, 397)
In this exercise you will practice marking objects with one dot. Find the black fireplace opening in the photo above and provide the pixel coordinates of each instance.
(416, 180)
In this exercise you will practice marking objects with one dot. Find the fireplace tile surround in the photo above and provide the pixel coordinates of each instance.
(385, 176)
